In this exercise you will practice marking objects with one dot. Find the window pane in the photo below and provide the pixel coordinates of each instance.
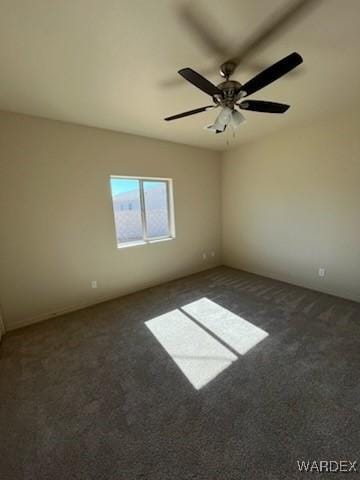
(127, 211)
(156, 209)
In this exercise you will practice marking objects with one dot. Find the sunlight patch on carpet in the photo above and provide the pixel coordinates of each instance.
(198, 355)
(203, 338)
(235, 331)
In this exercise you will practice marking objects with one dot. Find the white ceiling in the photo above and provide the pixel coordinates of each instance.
(108, 63)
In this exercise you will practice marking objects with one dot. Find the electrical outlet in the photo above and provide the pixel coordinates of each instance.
(204, 256)
(212, 253)
(322, 272)
(94, 284)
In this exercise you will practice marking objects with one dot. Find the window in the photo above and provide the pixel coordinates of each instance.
(143, 210)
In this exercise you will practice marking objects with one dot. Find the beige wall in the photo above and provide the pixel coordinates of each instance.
(57, 229)
(291, 204)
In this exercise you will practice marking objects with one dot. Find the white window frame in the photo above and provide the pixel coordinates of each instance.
(170, 209)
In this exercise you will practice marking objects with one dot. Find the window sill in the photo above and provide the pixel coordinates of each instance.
(143, 242)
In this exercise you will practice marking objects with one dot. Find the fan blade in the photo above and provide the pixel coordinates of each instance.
(262, 106)
(199, 81)
(204, 27)
(271, 74)
(281, 20)
(190, 112)
(248, 65)
(277, 23)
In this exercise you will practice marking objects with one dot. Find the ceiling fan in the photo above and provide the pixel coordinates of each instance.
(230, 94)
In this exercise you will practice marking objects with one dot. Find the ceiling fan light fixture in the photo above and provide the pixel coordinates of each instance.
(222, 120)
(237, 118)
(224, 117)
(213, 129)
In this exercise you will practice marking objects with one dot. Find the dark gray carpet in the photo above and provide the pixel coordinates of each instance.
(93, 395)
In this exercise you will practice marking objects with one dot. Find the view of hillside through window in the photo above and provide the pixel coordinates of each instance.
(140, 209)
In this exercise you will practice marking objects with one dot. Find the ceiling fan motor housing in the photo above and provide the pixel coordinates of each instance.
(231, 93)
